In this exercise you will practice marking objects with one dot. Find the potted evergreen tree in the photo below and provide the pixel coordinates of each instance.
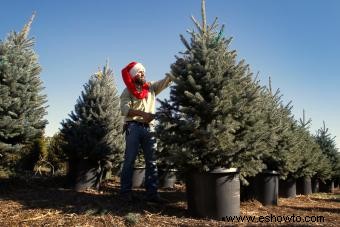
(92, 134)
(322, 171)
(284, 158)
(314, 166)
(328, 147)
(264, 186)
(309, 153)
(22, 105)
(288, 158)
(212, 122)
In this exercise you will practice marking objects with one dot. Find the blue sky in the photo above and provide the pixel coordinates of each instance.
(296, 43)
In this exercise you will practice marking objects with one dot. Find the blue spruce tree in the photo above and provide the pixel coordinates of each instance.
(22, 104)
(93, 131)
(213, 117)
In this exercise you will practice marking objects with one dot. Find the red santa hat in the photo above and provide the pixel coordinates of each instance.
(128, 74)
(137, 67)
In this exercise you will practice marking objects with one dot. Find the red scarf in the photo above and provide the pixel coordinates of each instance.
(129, 82)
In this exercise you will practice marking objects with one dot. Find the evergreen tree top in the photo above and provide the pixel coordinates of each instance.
(26, 29)
(303, 122)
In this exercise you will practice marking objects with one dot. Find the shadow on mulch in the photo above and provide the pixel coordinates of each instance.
(315, 208)
(47, 193)
(327, 200)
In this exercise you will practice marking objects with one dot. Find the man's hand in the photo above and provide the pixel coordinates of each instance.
(148, 117)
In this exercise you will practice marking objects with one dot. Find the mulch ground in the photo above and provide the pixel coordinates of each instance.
(41, 201)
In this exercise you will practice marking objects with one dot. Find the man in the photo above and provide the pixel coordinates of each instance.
(137, 103)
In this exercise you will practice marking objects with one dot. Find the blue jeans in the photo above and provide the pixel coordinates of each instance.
(137, 135)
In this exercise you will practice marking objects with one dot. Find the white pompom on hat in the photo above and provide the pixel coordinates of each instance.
(136, 68)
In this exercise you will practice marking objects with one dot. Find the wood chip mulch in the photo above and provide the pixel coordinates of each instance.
(41, 201)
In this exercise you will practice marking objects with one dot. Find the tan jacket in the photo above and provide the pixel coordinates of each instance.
(128, 101)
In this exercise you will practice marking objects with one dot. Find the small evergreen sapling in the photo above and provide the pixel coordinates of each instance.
(329, 150)
(93, 130)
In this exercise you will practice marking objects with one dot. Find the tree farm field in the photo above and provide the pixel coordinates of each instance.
(42, 201)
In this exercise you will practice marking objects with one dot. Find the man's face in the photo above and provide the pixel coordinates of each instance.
(140, 78)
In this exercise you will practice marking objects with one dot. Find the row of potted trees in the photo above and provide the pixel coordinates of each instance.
(220, 128)
(223, 130)
(167, 176)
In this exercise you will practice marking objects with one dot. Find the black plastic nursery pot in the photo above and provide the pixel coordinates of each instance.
(168, 178)
(315, 185)
(327, 186)
(331, 186)
(287, 188)
(215, 194)
(304, 186)
(336, 183)
(267, 187)
(138, 177)
(87, 175)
